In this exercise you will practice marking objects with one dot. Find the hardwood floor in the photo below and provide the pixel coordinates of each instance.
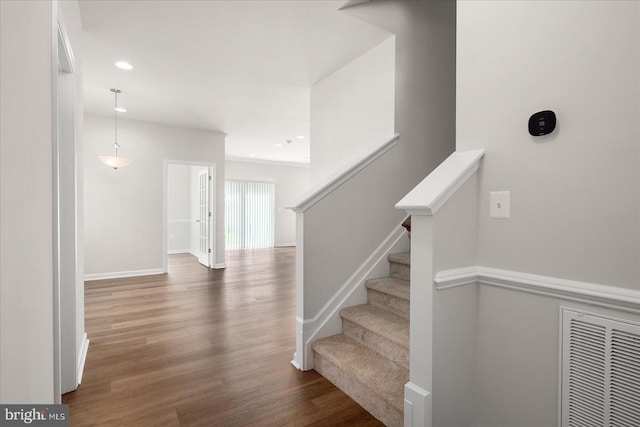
(200, 347)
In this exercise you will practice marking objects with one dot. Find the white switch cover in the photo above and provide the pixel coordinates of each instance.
(500, 204)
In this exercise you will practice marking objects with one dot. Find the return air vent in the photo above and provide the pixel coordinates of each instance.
(600, 371)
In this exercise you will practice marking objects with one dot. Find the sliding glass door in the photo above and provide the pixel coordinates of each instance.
(249, 215)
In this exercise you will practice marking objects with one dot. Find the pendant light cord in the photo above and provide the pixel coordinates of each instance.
(115, 145)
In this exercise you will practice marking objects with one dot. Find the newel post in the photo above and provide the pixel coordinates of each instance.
(422, 203)
(417, 400)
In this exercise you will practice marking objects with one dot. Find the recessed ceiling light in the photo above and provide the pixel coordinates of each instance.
(120, 110)
(300, 137)
(124, 65)
(278, 145)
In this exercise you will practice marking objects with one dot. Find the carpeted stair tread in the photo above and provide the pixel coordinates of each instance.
(400, 265)
(390, 286)
(365, 367)
(400, 258)
(380, 322)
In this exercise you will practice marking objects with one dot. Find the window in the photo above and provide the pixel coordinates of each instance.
(249, 215)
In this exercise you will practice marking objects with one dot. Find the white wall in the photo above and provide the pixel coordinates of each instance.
(124, 208)
(352, 110)
(179, 215)
(26, 217)
(290, 182)
(574, 193)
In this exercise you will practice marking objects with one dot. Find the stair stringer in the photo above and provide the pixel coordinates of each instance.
(327, 321)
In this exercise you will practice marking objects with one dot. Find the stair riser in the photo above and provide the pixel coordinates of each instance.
(399, 271)
(395, 305)
(387, 348)
(375, 405)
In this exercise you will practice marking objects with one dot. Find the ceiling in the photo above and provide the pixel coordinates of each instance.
(244, 68)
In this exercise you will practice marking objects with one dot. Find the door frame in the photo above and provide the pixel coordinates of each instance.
(69, 337)
(213, 203)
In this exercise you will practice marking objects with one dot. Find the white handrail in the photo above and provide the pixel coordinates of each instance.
(429, 196)
(326, 186)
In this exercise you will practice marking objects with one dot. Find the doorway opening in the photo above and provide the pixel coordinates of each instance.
(190, 201)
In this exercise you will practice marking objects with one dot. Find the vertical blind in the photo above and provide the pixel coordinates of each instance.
(249, 215)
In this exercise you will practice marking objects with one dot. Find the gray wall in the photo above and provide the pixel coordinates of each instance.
(360, 214)
(123, 208)
(574, 193)
(455, 311)
(179, 210)
(26, 215)
(352, 110)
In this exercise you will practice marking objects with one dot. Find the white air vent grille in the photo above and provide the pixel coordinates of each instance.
(625, 378)
(600, 371)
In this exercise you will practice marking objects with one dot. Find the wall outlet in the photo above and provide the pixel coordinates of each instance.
(500, 204)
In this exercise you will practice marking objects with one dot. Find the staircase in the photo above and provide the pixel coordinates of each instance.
(369, 361)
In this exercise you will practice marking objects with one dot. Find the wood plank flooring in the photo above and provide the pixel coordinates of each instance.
(200, 347)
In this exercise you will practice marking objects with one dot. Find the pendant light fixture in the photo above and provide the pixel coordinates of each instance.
(114, 161)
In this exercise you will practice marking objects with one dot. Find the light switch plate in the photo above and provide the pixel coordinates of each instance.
(500, 204)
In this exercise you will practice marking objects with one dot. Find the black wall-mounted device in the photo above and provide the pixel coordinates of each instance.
(542, 123)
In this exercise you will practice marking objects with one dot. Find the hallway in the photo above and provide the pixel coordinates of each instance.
(199, 347)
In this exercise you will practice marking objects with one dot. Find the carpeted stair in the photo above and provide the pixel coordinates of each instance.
(369, 361)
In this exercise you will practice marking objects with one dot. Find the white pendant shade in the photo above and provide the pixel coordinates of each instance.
(115, 162)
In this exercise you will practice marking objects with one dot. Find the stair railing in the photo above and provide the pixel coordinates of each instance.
(334, 240)
(423, 204)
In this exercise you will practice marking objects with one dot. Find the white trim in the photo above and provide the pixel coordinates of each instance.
(622, 299)
(120, 274)
(267, 162)
(180, 220)
(294, 363)
(284, 245)
(351, 3)
(327, 319)
(178, 251)
(68, 59)
(219, 266)
(417, 406)
(325, 187)
(448, 279)
(82, 358)
(429, 195)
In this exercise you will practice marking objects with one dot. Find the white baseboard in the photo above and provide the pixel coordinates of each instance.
(294, 362)
(178, 251)
(219, 266)
(82, 358)
(327, 321)
(417, 406)
(120, 274)
(284, 245)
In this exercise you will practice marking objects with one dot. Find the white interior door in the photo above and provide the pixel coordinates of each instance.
(204, 214)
